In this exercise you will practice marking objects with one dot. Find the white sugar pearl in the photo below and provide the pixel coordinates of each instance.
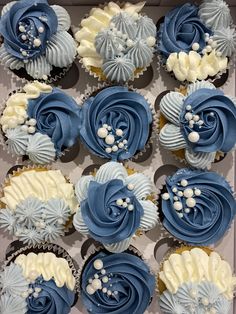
(188, 107)
(32, 122)
(108, 150)
(24, 128)
(188, 193)
(23, 37)
(24, 53)
(195, 46)
(188, 116)
(127, 200)
(165, 196)
(193, 293)
(151, 41)
(130, 186)
(190, 202)
(130, 43)
(196, 118)
(191, 123)
(178, 205)
(104, 290)
(114, 148)
(109, 128)
(96, 276)
(180, 193)
(33, 275)
(184, 182)
(119, 132)
(214, 44)
(210, 41)
(174, 190)
(187, 210)
(30, 290)
(90, 290)
(200, 122)
(109, 292)
(125, 141)
(31, 129)
(35, 294)
(131, 207)
(37, 42)
(96, 284)
(21, 28)
(41, 29)
(193, 137)
(204, 51)
(120, 145)
(208, 48)
(180, 215)
(176, 198)
(102, 132)
(105, 279)
(124, 204)
(98, 264)
(25, 294)
(110, 139)
(105, 125)
(219, 54)
(90, 280)
(119, 202)
(205, 301)
(60, 221)
(197, 192)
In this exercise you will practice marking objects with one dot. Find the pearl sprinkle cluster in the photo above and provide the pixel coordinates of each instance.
(184, 200)
(112, 139)
(210, 45)
(193, 120)
(33, 291)
(100, 281)
(29, 126)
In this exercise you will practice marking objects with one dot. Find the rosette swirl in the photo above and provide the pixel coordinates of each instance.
(217, 113)
(57, 116)
(51, 298)
(115, 123)
(129, 289)
(36, 19)
(198, 206)
(182, 28)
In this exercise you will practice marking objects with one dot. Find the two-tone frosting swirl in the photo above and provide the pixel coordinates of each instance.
(198, 206)
(125, 281)
(182, 28)
(115, 123)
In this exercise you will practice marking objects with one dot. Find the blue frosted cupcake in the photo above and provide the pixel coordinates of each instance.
(198, 124)
(35, 38)
(39, 122)
(116, 123)
(116, 283)
(196, 42)
(197, 207)
(38, 280)
(115, 204)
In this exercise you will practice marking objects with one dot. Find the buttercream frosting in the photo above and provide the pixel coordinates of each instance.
(127, 285)
(198, 206)
(127, 116)
(12, 304)
(225, 39)
(17, 141)
(119, 70)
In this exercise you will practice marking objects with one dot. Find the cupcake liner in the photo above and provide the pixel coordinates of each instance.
(101, 78)
(153, 129)
(68, 228)
(46, 247)
(25, 158)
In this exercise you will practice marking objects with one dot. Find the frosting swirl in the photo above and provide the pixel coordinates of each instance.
(27, 27)
(127, 116)
(217, 113)
(129, 289)
(57, 116)
(181, 29)
(51, 298)
(107, 221)
(198, 207)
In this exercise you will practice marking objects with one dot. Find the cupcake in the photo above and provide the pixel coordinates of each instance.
(115, 203)
(116, 123)
(116, 283)
(35, 38)
(195, 280)
(40, 122)
(198, 124)
(38, 282)
(196, 42)
(37, 205)
(116, 43)
(197, 207)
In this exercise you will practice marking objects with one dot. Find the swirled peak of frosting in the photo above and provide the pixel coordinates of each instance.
(119, 70)
(43, 185)
(125, 24)
(225, 39)
(115, 123)
(47, 265)
(124, 284)
(215, 14)
(194, 266)
(198, 206)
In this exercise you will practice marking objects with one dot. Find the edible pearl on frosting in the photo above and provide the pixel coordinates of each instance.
(174, 190)
(190, 202)
(193, 293)
(23, 37)
(119, 132)
(131, 207)
(195, 46)
(188, 107)
(104, 290)
(110, 139)
(165, 196)
(96, 276)
(188, 193)
(96, 284)
(90, 290)
(196, 118)
(98, 264)
(119, 202)
(24, 294)
(24, 128)
(180, 193)
(193, 137)
(21, 28)
(114, 148)
(129, 43)
(124, 204)
(24, 53)
(178, 205)
(208, 48)
(205, 301)
(37, 42)
(197, 192)
(103, 271)
(32, 122)
(151, 41)
(184, 182)
(130, 186)
(41, 29)
(31, 129)
(125, 141)
(120, 145)
(105, 279)
(108, 150)
(188, 116)
(102, 132)
(187, 210)
(176, 198)
(180, 215)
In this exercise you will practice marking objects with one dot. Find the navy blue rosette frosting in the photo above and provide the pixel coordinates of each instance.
(35, 37)
(116, 284)
(198, 206)
(115, 123)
